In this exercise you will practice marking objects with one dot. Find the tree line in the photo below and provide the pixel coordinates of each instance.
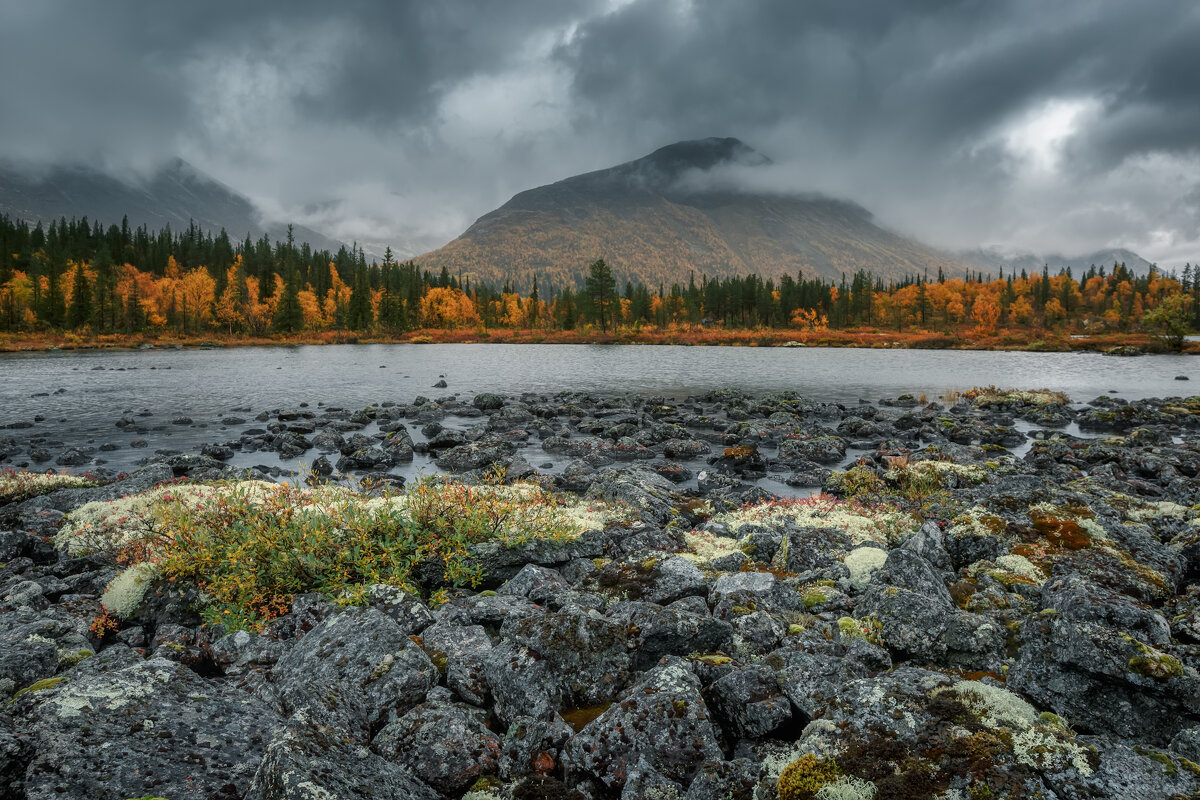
(75, 275)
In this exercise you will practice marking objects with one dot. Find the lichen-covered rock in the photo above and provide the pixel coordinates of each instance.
(442, 745)
(306, 762)
(27, 653)
(1126, 771)
(662, 718)
(656, 631)
(533, 746)
(535, 582)
(586, 655)
(923, 628)
(356, 671)
(743, 592)
(1105, 680)
(459, 652)
(15, 754)
(1076, 599)
(908, 570)
(748, 701)
(642, 489)
(242, 651)
(520, 682)
(811, 670)
(407, 610)
(151, 728)
(674, 578)
(476, 455)
(821, 449)
(724, 780)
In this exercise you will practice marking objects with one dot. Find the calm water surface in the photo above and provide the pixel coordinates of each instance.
(79, 395)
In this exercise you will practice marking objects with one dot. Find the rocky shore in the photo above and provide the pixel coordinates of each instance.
(973, 604)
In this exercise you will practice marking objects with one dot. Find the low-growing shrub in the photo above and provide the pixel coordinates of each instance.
(16, 485)
(251, 547)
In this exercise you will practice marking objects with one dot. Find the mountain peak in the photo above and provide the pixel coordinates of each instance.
(663, 169)
(702, 154)
(652, 223)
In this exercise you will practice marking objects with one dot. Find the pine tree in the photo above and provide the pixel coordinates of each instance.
(289, 317)
(80, 313)
(600, 289)
(359, 316)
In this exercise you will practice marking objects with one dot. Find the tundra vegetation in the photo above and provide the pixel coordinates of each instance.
(941, 618)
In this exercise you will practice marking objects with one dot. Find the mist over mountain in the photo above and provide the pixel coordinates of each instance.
(659, 220)
(176, 194)
(995, 259)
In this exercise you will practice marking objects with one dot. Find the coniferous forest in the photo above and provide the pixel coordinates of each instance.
(78, 278)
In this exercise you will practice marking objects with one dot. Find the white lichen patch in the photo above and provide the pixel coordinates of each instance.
(1022, 567)
(777, 757)
(112, 690)
(1156, 510)
(1044, 748)
(995, 707)
(860, 523)
(482, 795)
(993, 396)
(963, 473)
(18, 485)
(862, 563)
(847, 787)
(1035, 743)
(591, 515)
(124, 594)
(977, 521)
(707, 546)
(106, 526)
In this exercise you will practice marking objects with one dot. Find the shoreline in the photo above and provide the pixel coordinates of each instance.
(1019, 341)
(615, 625)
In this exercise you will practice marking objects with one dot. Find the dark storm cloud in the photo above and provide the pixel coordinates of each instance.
(929, 113)
(1066, 125)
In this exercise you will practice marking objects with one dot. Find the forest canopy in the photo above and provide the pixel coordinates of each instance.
(74, 275)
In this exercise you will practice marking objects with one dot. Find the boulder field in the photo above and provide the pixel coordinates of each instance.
(994, 597)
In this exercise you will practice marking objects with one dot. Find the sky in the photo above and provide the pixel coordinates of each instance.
(1025, 125)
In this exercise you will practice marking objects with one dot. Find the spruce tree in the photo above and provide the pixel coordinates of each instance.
(80, 313)
(289, 318)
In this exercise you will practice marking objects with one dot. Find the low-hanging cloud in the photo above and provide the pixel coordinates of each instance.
(1067, 126)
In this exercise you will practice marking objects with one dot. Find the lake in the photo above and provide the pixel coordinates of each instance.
(79, 395)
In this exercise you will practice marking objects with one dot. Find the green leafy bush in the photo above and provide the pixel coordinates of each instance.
(250, 549)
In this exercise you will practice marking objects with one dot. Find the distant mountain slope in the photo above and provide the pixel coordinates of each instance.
(994, 260)
(650, 222)
(175, 195)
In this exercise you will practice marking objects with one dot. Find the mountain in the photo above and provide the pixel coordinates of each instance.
(174, 195)
(664, 216)
(994, 259)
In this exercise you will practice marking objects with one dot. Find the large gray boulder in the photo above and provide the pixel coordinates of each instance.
(304, 762)
(1105, 680)
(662, 719)
(443, 745)
(150, 728)
(356, 671)
(586, 655)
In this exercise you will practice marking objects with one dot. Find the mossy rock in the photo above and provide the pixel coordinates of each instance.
(42, 685)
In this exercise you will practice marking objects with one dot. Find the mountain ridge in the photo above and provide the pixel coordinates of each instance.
(651, 225)
(995, 258)
(175, 194)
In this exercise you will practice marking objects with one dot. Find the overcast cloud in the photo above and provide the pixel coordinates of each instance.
(1066, 126)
